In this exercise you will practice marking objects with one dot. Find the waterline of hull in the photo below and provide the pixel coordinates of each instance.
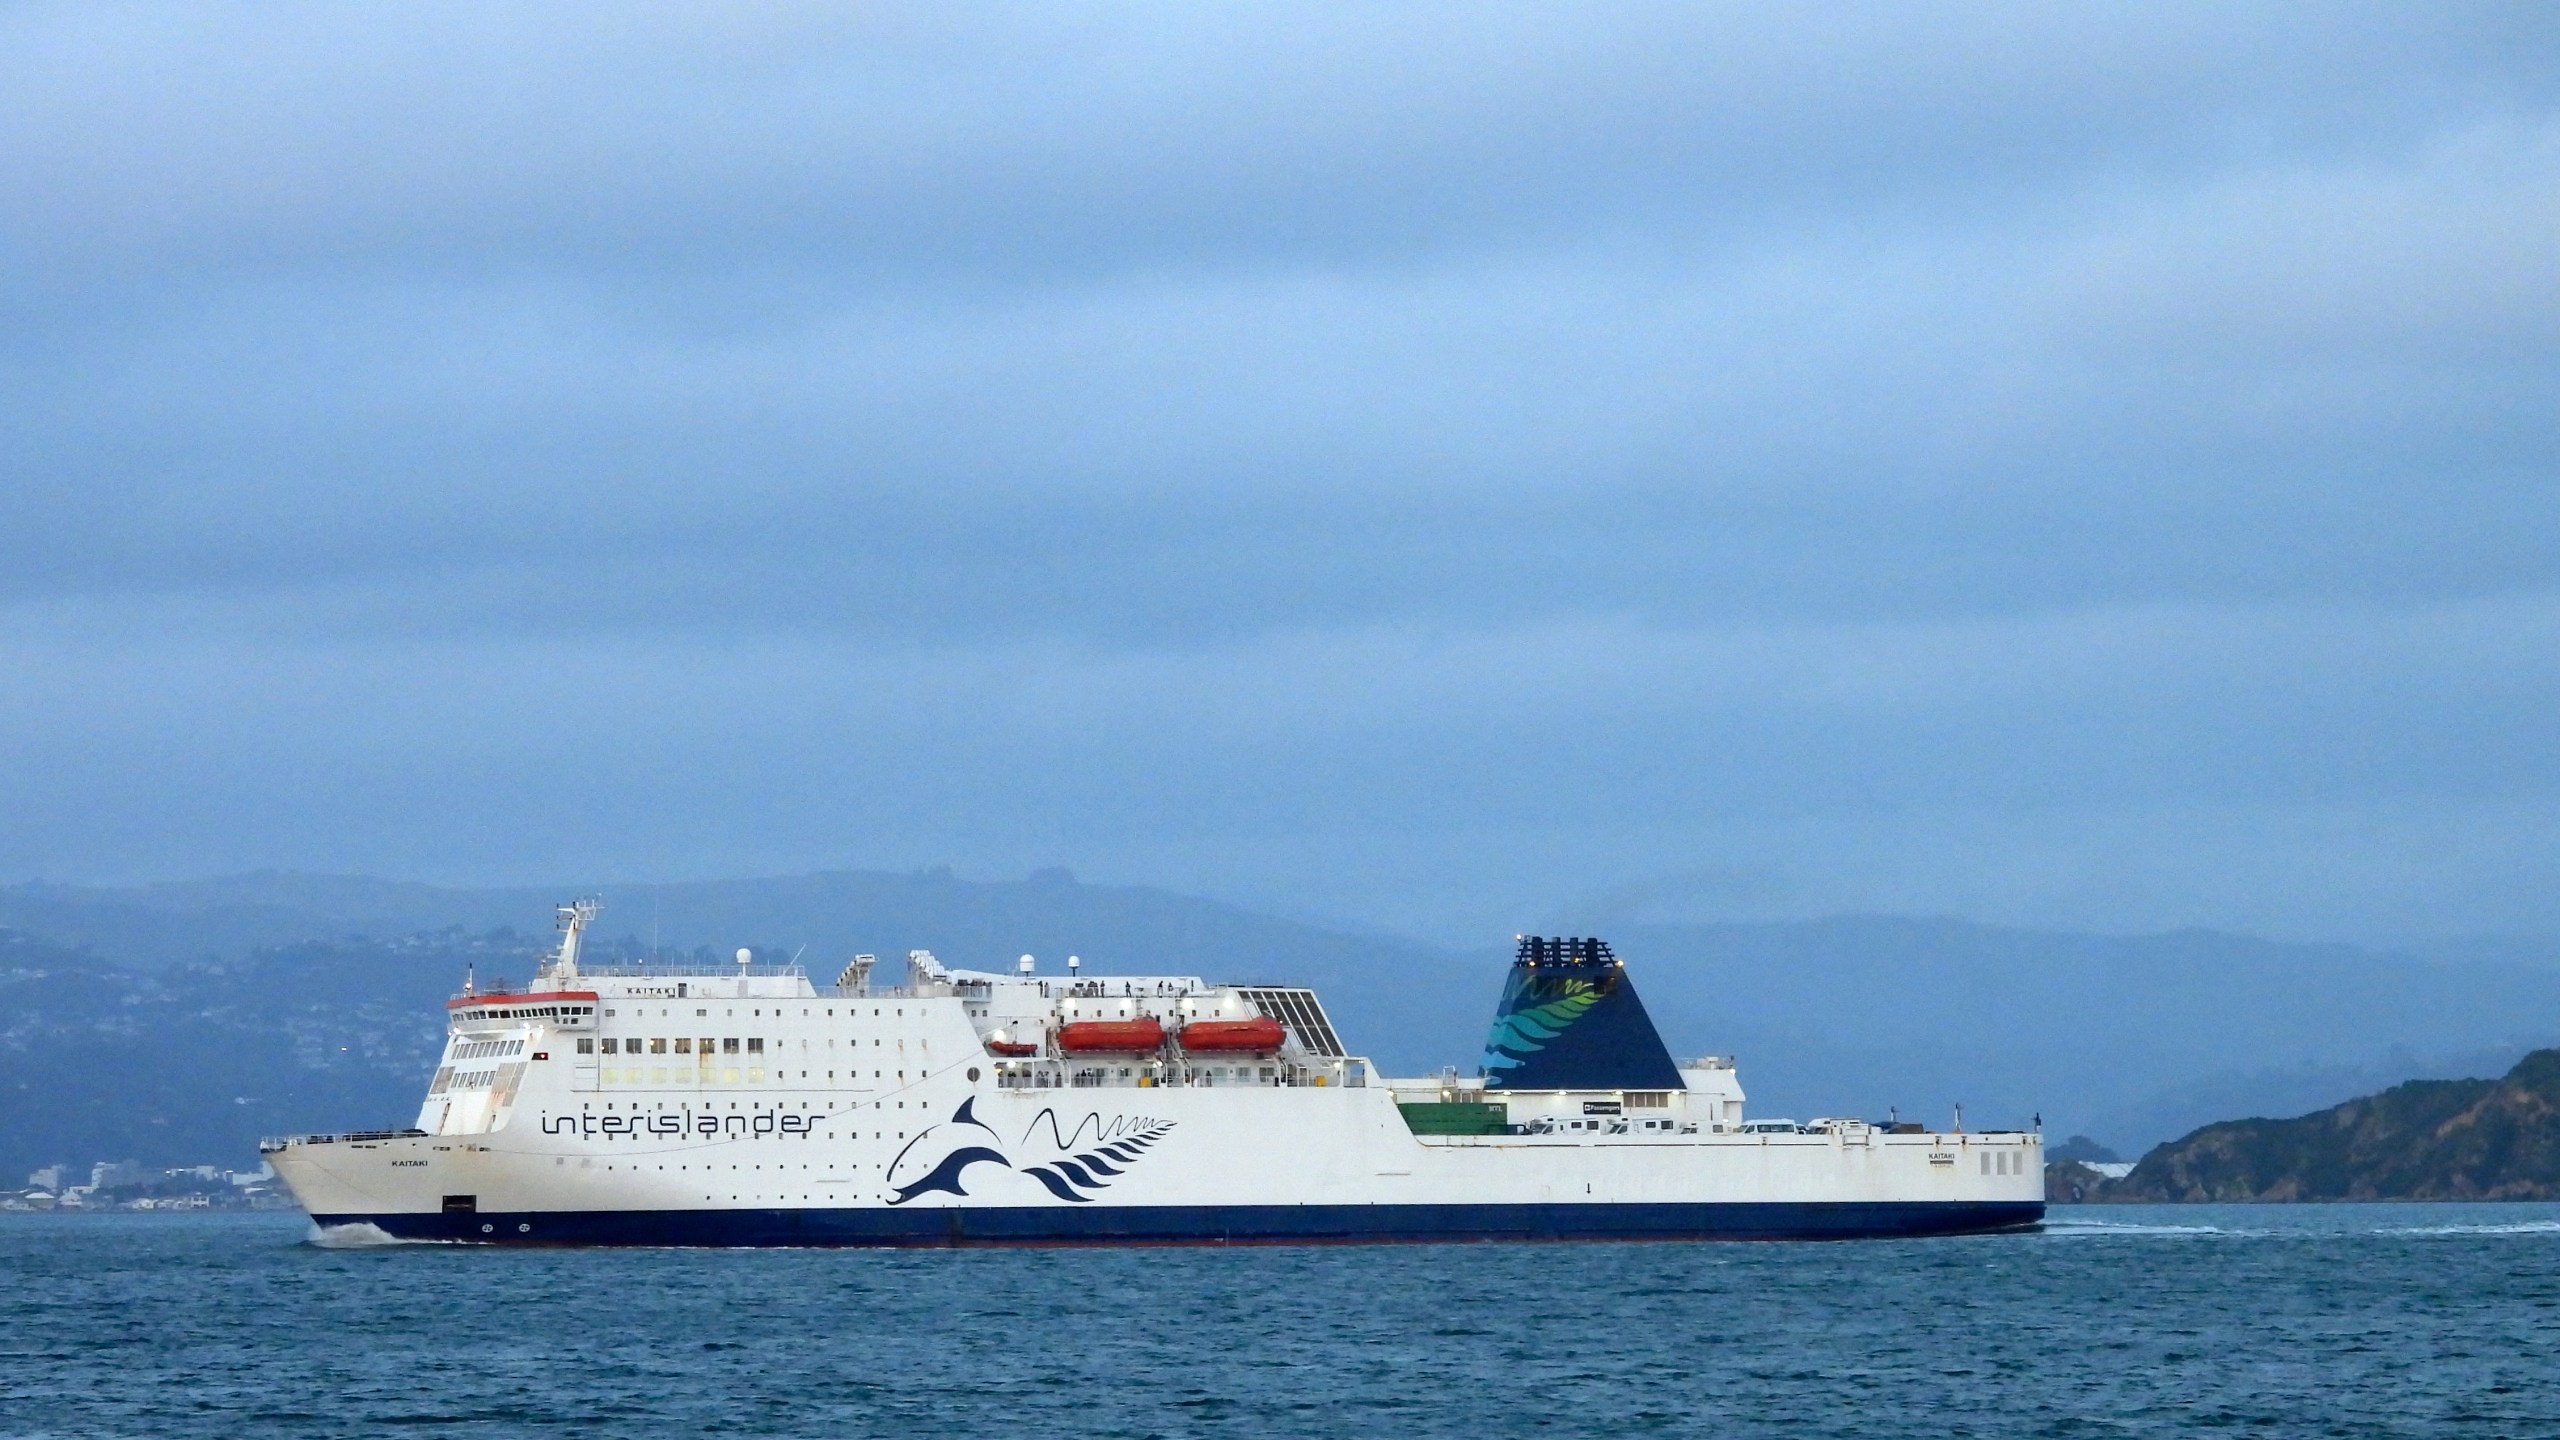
(953, 1226)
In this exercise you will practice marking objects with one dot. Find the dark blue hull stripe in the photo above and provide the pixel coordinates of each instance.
(1211, 1224)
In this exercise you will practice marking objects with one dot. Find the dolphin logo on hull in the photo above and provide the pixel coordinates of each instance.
(945, 1176)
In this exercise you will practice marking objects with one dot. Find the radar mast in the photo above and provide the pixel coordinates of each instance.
(575, 917)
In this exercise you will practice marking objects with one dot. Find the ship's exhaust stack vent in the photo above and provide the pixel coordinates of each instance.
(1578, 950)
(1570, 1020)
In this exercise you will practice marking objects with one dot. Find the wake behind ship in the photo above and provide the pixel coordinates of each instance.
(744, 1105)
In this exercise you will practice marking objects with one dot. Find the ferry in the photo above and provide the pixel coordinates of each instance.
(719, 1105)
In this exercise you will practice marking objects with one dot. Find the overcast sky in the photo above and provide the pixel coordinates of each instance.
(1449, 468)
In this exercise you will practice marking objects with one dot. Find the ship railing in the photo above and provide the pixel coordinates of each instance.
(273, 1143)
(694, 970)
(689, 970)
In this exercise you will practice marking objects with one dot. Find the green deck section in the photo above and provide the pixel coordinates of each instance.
(1458, 1117)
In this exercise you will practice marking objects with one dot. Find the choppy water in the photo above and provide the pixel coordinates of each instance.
(2373, 1320)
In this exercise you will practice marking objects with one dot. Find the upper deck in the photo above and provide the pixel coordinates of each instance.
(679, 1028)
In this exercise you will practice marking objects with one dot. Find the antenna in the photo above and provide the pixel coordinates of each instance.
(1025, 965)
(745, 957)
(1073, 962)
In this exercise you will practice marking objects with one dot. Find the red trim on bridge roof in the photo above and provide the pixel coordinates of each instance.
(552, 998)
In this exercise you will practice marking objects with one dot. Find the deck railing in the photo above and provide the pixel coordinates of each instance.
(274, 1143)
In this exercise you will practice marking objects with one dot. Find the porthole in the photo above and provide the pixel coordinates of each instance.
(973, 1072)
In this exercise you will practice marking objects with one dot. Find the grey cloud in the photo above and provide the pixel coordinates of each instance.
(2085, 466)
(1636, 440)
(965, 141)
(1614, 734)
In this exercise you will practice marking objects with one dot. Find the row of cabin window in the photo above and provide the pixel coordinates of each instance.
(850, 1012)
(2003, 1162)
(450, 1079)
(683, 1045)
(482, 1049)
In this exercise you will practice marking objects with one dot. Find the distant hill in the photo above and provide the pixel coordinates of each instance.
(822, 918)
(2425, 1140)
(178, 1023)
(2132, 1040)
(192, 1063)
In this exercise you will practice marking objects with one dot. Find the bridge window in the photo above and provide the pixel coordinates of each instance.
(755, 1045)
(657, 1045)
(729, 1046)
(684, 1044)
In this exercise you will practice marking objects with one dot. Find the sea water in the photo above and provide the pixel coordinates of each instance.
(2349, 1320)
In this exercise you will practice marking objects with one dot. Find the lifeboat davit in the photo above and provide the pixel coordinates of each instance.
(1115, 1037)
(1012, 1047)
(1261, 1035)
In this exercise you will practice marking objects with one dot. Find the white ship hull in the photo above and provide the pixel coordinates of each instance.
(887, 1120)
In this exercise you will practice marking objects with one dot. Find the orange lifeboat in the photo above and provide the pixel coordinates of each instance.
(1110, 1037)
(1260, 1035)
(1012, 1047)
